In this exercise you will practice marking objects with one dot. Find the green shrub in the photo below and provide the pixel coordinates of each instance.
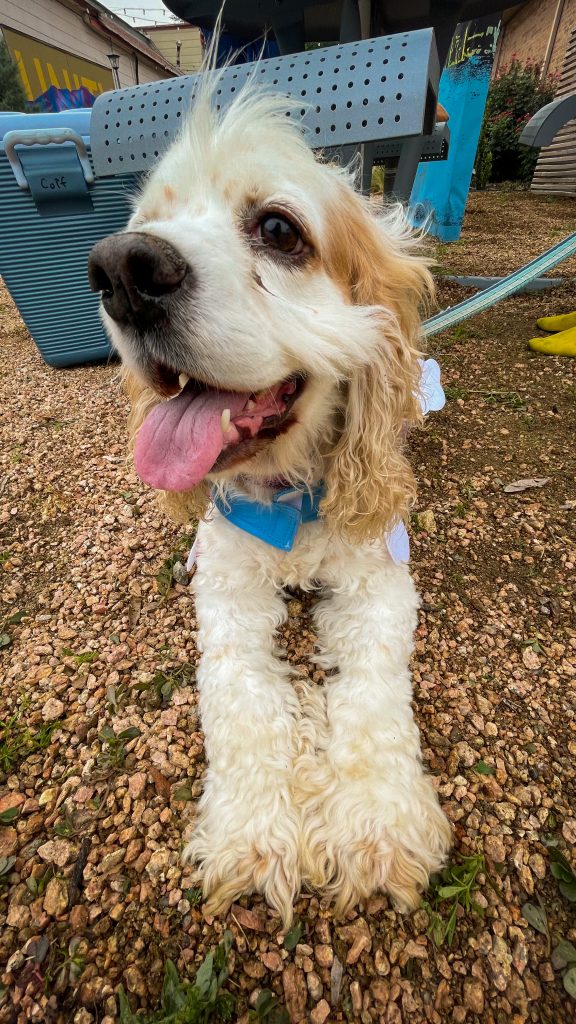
(513, 97)
(11, 92)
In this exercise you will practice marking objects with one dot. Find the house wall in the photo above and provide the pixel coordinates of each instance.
(60, 25)
(526, 34)
(165, 38)
(556, 167)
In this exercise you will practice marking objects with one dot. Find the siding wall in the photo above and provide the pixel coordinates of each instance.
(556, 167)
(165, 38)
(56, 24)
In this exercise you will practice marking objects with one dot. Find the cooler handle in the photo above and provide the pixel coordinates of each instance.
(43, 137)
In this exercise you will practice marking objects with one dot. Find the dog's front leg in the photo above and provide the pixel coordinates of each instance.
(375, 822)
(247, 835)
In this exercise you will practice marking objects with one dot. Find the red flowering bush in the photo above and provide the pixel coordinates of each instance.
(515, 94)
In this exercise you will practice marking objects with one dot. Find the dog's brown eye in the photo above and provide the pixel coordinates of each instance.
(280, 233)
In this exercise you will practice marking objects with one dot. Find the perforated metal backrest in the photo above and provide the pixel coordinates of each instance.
(376, 89)
(434, 146)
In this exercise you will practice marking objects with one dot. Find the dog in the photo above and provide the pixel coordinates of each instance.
(269, 323)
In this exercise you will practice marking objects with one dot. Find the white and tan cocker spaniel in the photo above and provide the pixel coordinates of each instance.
(268, 322)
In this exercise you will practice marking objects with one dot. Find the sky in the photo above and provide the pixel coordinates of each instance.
(147, 12)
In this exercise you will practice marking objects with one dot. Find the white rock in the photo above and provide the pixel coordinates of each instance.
(57, 851)
(159, 863)
(52, 709)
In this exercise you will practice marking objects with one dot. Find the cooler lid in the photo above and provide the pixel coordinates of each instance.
(78, 119)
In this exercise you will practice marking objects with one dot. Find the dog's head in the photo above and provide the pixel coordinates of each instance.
(268, 320)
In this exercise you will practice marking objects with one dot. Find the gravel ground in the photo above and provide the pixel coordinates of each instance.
(97, 637)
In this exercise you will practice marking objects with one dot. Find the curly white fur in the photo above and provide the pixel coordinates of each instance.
(322, 786)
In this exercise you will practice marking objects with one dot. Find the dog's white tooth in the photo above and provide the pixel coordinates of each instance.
(183, 380)
(225, 421)
(250, 404)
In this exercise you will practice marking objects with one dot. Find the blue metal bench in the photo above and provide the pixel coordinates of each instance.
(378, 89)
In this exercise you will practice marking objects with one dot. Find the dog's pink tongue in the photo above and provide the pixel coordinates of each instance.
(180, 440)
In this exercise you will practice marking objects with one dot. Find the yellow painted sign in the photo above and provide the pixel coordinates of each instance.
(43, 67)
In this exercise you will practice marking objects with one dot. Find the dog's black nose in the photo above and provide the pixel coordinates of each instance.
(136, 274)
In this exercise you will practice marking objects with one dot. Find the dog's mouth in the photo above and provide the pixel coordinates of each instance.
(203, 428)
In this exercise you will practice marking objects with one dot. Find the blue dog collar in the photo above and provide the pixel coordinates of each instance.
(278, 523)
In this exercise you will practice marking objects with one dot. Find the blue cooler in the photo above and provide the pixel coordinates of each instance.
(52, 211)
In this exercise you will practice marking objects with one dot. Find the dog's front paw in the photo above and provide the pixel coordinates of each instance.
(241, 847)
(368, 835)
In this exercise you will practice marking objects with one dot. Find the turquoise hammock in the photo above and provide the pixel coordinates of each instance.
(507, 286)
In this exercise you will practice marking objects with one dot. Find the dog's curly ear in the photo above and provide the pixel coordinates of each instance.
(183, 508)
(369, 483)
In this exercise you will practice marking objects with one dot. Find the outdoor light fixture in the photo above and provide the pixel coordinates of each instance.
(114, 59)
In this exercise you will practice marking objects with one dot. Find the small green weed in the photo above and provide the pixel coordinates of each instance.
(67, 963)
(193, 895)
(84, 658)
(562, 870)
(160, 689)
(113, 753)
(184, 1002)
(563, 955)
(6, 865)
(468, 490)
(453, 393)
(455, 889)
(10, 815)
(482, 768)
(11, 620)
(538, 919)
(18, 741)
(509, 399)
(183, 793)
(534, 644)
(462, 331)
(415, 522)
(66, 827)
(37, 886)
(268, 1009)
(117, 697)
(442, 249)
(564, 959)
(165, 575)
(551, 824)
(292, 938)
